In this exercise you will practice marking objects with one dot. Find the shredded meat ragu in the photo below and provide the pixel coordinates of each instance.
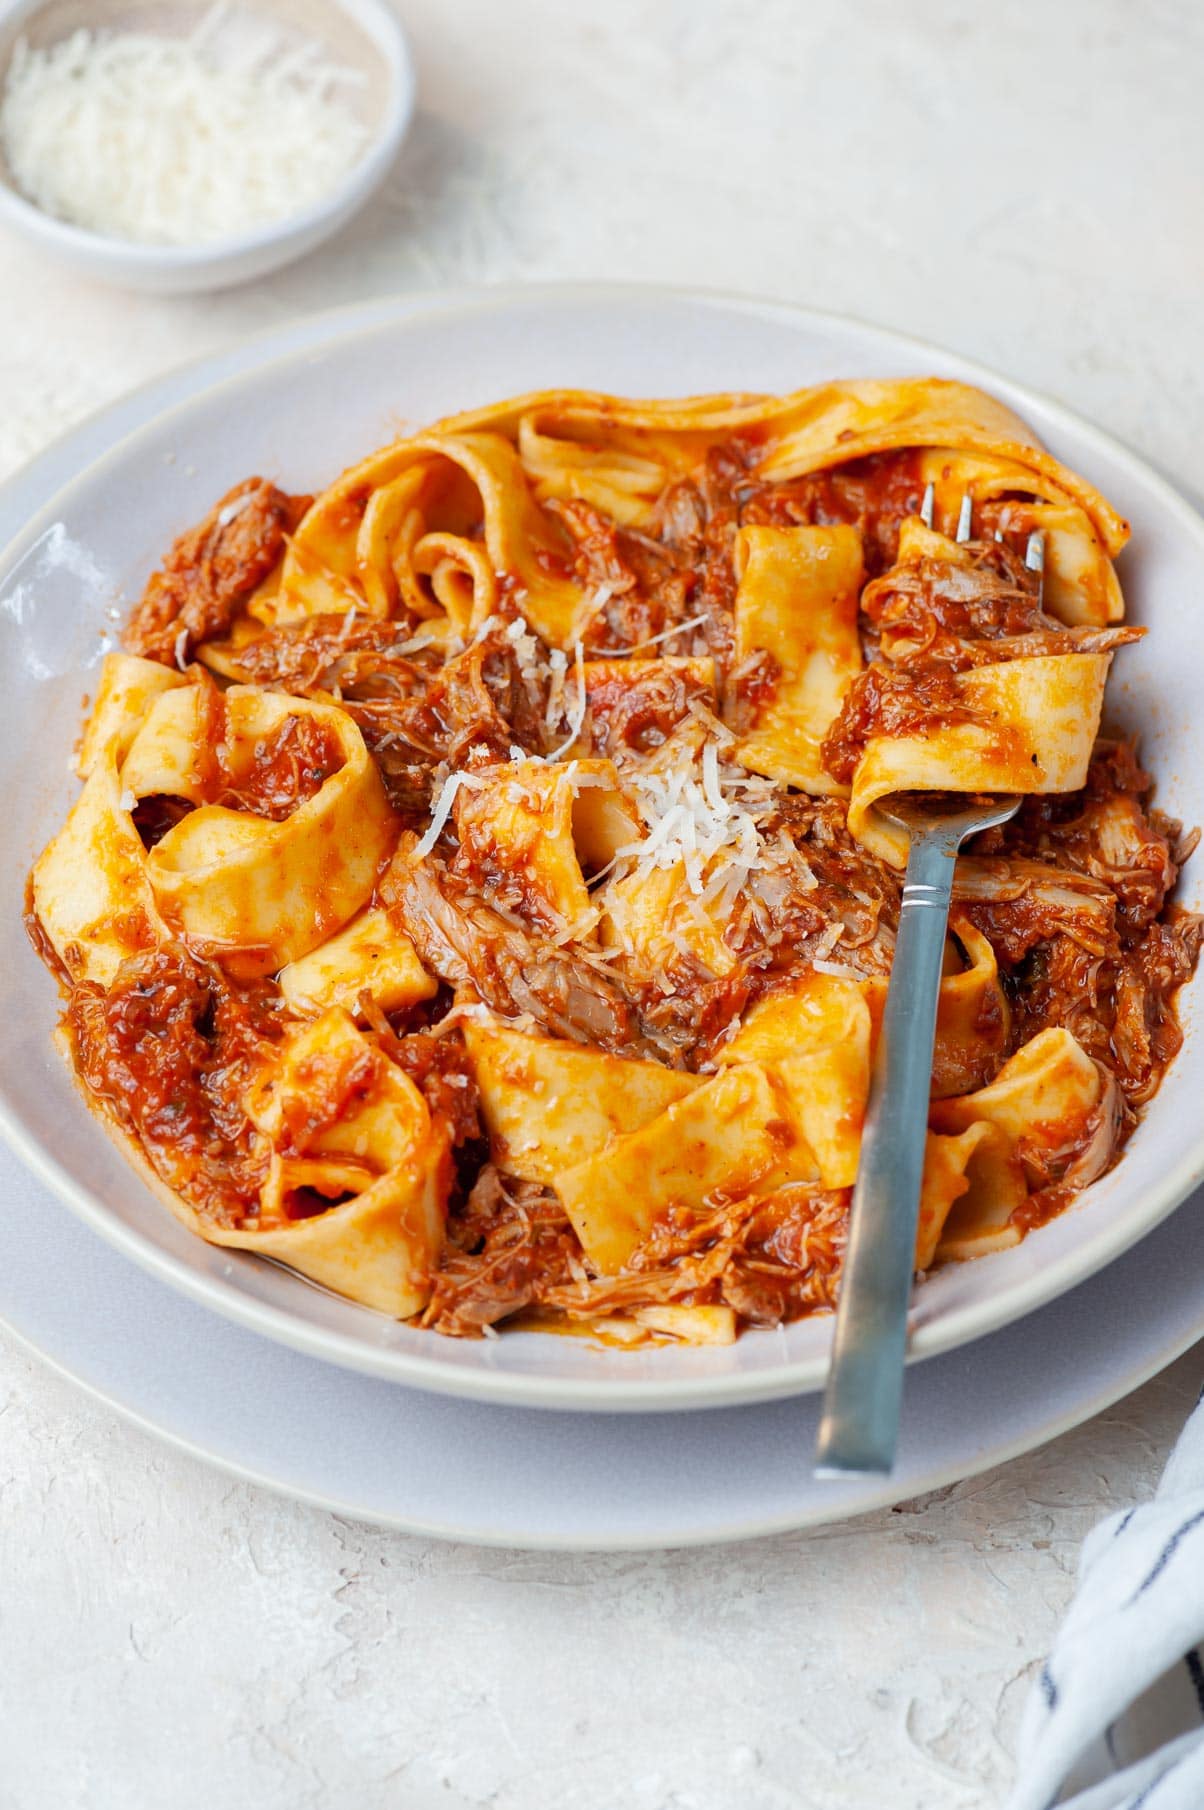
(874, 495)
(212, 569)
(645, 584)
(518, 974)
(508, 1249)
(1081, 940)
(633, 717)
(287, 768)
(1072, 894)
(932, 620)
(170, 1049)
(771, 1257)
(952, 616)
(888, 701)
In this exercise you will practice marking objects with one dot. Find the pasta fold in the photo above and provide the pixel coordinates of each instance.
(239, 884)
(796, 602)
(539, 826)
(1032, 725)
(548, 1104)
(90, 888)
(378, 1171)
(725, 1137)
(815, 1040)
(128, 687)
(368, 954)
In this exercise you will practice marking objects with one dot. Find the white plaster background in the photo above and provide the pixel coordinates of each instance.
(1022, 183)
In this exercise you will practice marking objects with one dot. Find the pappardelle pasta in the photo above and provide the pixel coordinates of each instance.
(478, 901)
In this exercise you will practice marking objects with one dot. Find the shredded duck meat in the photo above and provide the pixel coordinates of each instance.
(509, 1248)
(517, 974)
(1076, 918)
(1074, 895)
(873, 495)
(773, 1258)
(957, 616)
(212, 570)
(169, 1049)
(932, 619)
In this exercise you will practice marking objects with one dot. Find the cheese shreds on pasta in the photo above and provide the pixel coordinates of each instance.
(694, 824)
(493, 960)
(576, 711)
(178, 141)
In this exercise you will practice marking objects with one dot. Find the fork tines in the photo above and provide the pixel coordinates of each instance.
(1034, 551)
(928, 506)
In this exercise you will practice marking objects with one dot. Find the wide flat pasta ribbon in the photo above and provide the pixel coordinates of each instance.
(349, 551)
(382, 1163)
(90, 887)
(242, 886)
(368, 955)
(1034, 726)
(1041, 1108)
(724, 1137)
(797, 600)
(549, 1104)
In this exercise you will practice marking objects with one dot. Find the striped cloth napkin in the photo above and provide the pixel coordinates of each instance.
(1115, 1720)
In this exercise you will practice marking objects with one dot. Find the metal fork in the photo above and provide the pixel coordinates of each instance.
(1034, 551)
(859, 1429)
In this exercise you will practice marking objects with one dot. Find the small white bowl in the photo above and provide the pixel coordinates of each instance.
(363, 35)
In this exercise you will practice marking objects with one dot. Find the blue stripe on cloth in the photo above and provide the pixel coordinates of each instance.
(1180, 1787)
(1167, 1554)
(1143, 1797)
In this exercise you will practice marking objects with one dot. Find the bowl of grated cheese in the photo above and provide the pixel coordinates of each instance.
(177, 145)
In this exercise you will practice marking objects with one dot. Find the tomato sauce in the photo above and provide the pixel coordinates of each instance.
(173, 1046)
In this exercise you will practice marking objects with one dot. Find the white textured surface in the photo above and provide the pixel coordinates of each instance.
(1021, 185)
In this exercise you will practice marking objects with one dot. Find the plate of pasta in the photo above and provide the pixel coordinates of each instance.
(461, 915)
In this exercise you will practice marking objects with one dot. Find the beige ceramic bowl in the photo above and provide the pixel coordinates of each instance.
(362, 35)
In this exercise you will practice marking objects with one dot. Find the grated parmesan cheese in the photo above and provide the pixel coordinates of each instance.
(441, 811)
(526, 647)
(431, 636)
(639, 647)
(576, 712)
(557, 668)
(827, 942)
(178, 141)
(697, 821)
(233, 510)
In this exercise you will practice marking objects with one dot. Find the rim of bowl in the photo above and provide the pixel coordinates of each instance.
(957, 1327)
(384, 27)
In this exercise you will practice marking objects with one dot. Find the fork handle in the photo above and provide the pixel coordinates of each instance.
(860, 1425)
